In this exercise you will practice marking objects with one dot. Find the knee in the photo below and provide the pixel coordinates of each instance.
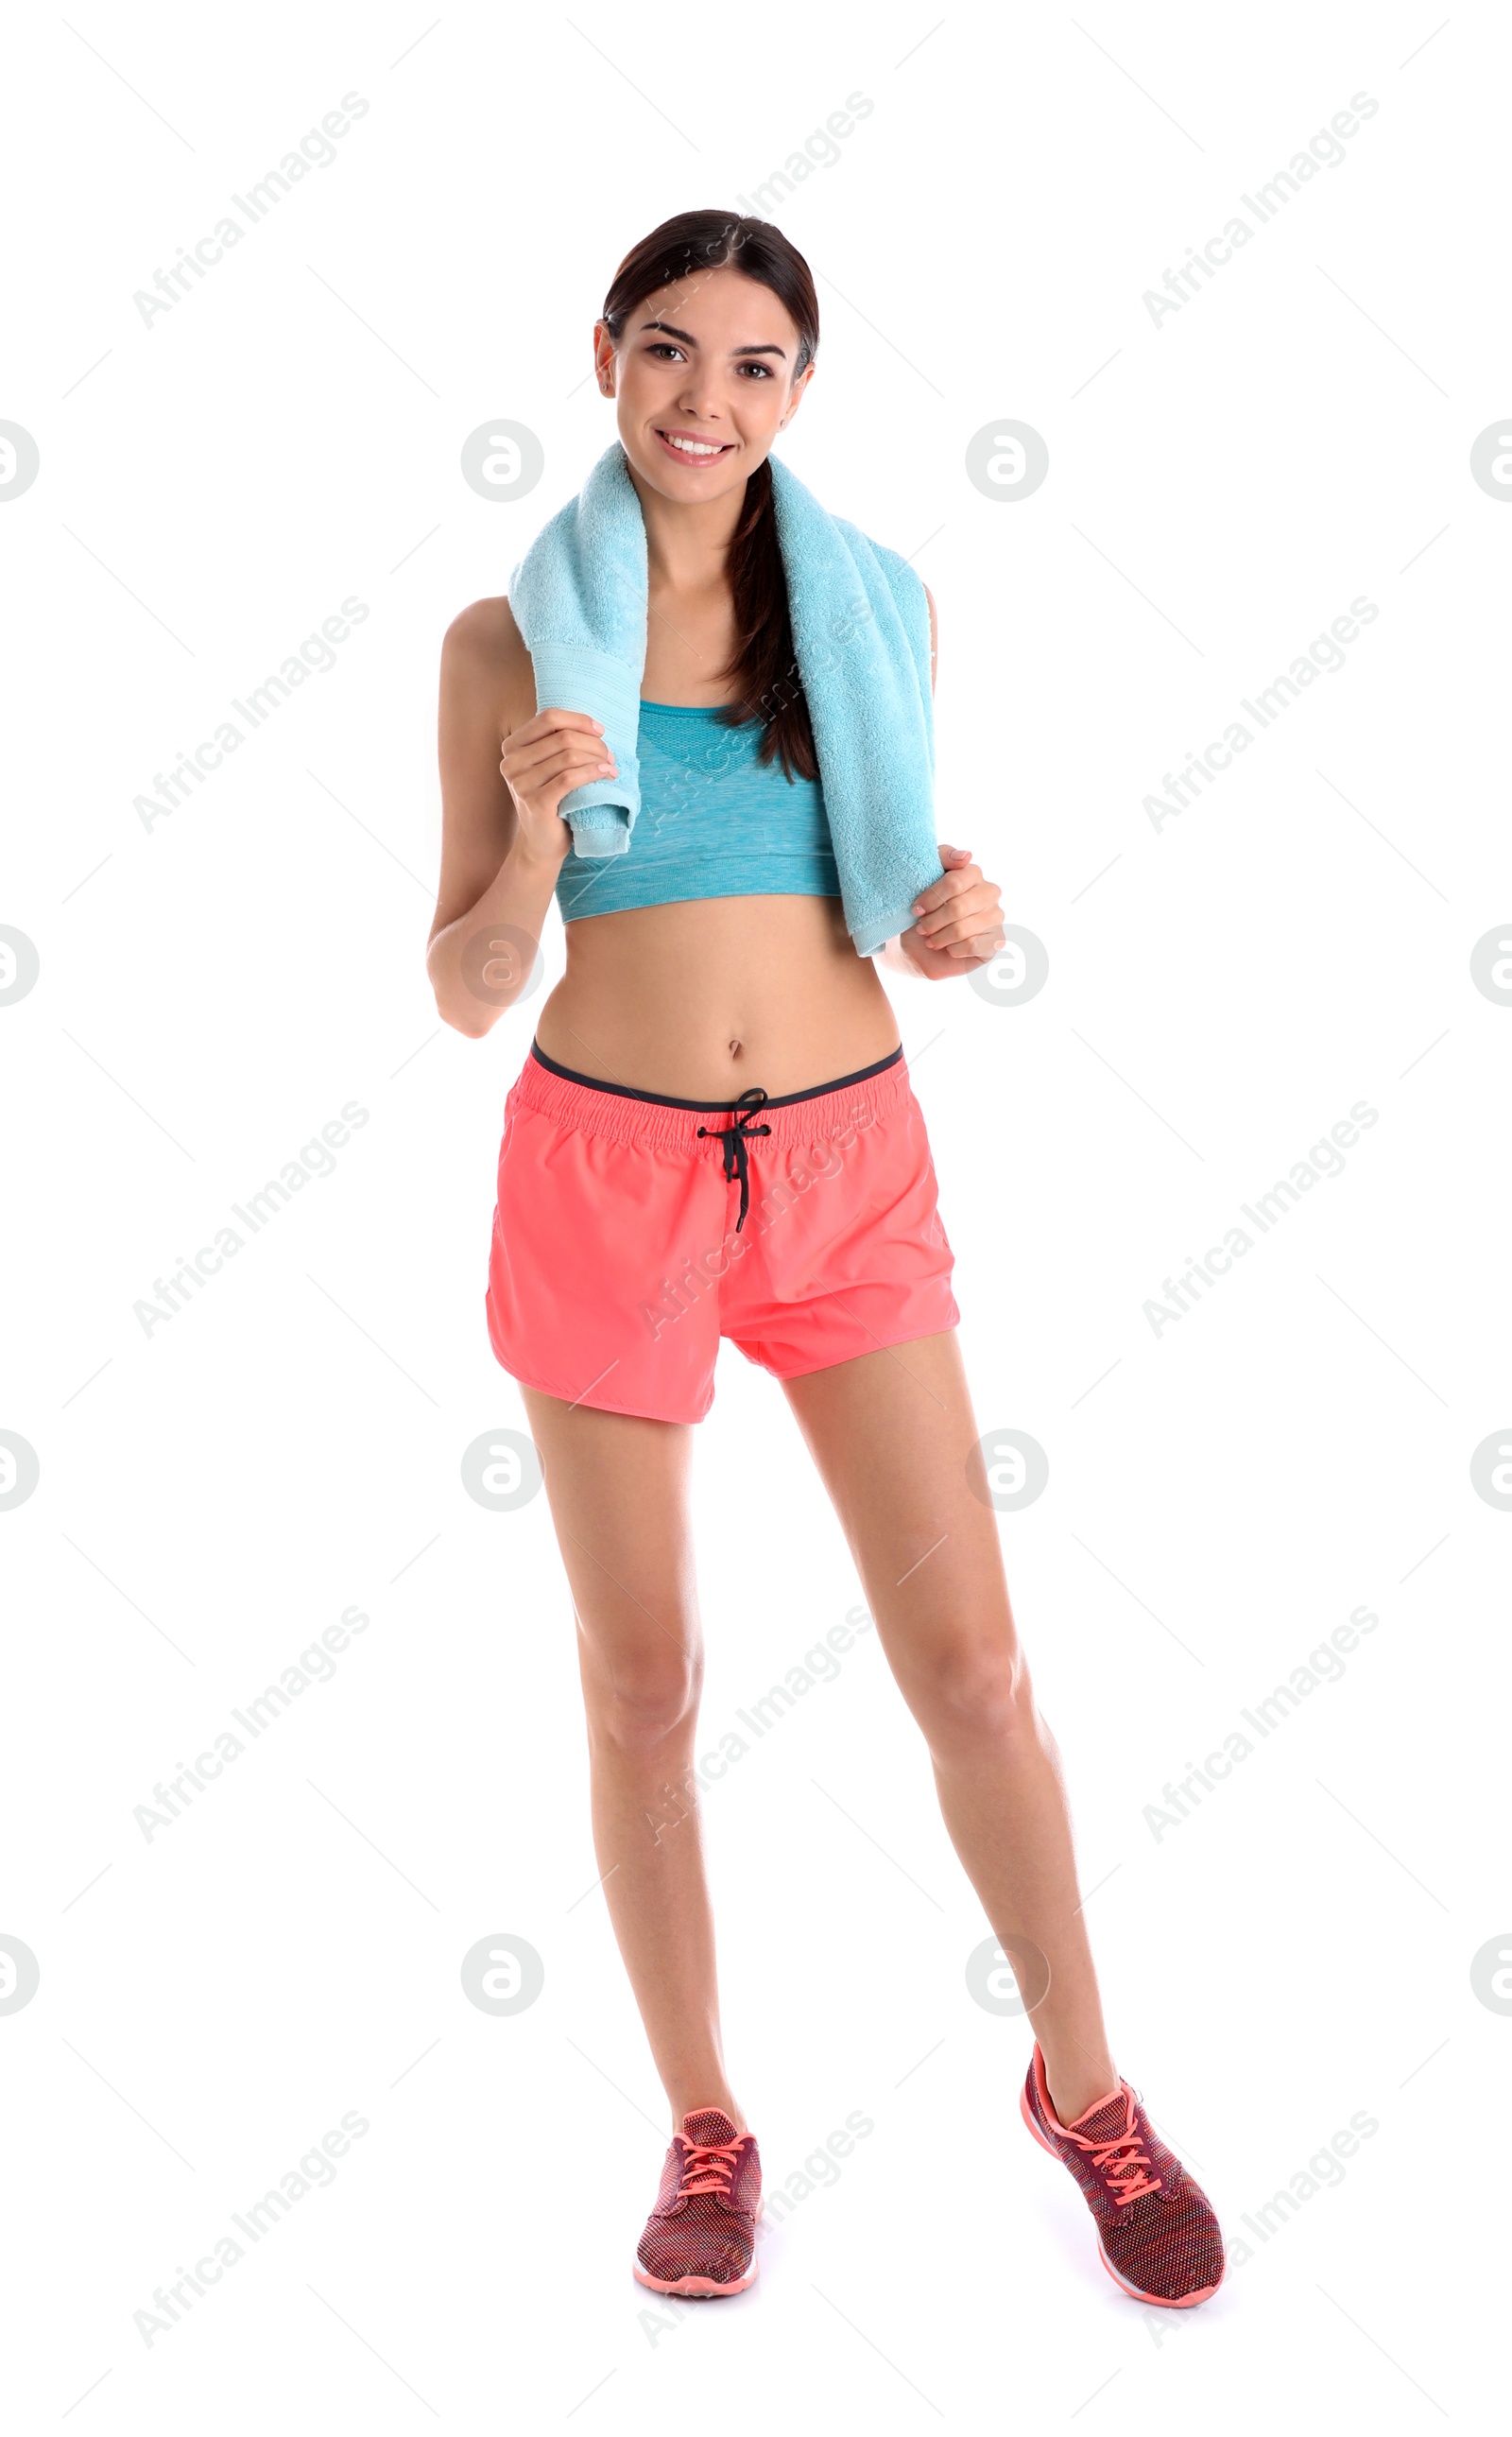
(980, 1692)
(637, 1707)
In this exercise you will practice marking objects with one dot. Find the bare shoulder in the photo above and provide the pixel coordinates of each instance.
(484, 635)
(483, 655)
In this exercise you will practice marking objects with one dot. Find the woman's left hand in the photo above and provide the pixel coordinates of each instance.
(960, 919)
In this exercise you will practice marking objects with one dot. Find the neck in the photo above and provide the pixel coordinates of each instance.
(687, 547)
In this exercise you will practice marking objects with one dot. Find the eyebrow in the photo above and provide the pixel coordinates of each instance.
(691, 342)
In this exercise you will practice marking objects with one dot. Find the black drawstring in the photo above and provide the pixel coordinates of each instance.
(734, 1139)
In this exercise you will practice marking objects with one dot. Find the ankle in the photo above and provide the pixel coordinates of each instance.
(1074, 2089)
(725, 2104)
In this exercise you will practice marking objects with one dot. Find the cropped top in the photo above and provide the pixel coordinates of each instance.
(713, 822)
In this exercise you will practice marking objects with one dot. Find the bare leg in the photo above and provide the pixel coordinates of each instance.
(891, 1434)
(618, 1492)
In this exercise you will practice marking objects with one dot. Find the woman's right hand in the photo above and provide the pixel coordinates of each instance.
(544, 760)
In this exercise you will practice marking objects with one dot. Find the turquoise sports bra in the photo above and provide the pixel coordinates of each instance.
(713, 822)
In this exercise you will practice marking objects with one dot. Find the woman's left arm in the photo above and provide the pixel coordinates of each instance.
(960, 916)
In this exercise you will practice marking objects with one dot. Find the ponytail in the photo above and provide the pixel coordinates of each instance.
(763, 664)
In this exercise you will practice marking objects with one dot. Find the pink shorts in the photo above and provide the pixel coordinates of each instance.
(631, 1232)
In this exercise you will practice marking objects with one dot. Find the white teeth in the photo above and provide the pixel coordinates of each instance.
(693, 448)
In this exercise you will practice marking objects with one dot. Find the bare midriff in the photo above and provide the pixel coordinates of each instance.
(699, 1001)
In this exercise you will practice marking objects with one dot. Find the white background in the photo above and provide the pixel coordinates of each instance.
(1221, 991)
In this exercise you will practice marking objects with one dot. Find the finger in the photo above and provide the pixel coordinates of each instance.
(955, 856)
(554, 717)
(564, 771)
(534, 739)
(970, 927)
(972, 895)
(527, 766)
(957, 919)
(545, 722)
(940, 891)
(559, 782)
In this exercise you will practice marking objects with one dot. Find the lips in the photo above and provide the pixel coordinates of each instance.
(692, 448)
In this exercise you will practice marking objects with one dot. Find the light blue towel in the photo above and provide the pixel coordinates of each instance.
(860, 633)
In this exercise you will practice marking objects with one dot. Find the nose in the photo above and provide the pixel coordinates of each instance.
(700, 398)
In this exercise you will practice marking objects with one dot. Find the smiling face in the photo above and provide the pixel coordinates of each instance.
(703, 381)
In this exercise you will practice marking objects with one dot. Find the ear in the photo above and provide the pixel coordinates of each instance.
(796, 400)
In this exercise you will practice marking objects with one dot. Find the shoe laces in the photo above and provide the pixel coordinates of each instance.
(1125, 2169)
(1121, 2162)
(707, 2166)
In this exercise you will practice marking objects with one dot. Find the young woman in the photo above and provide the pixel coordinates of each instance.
(718, 1050)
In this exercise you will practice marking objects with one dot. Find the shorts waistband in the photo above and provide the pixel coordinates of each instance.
(617, 1114)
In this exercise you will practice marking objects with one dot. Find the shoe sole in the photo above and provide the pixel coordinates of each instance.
(1136, 2293)
(698, 2288)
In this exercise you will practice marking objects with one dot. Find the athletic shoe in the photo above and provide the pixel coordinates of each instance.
(1156, 2232)
(699, 2237)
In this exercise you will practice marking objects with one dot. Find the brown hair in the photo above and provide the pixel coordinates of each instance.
(763, 665)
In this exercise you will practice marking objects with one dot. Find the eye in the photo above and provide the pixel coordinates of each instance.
(663, 347)
(764, 370)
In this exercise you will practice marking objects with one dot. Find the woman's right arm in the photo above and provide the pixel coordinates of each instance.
(504, 771)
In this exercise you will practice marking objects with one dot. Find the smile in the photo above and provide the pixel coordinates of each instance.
(691, 451)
